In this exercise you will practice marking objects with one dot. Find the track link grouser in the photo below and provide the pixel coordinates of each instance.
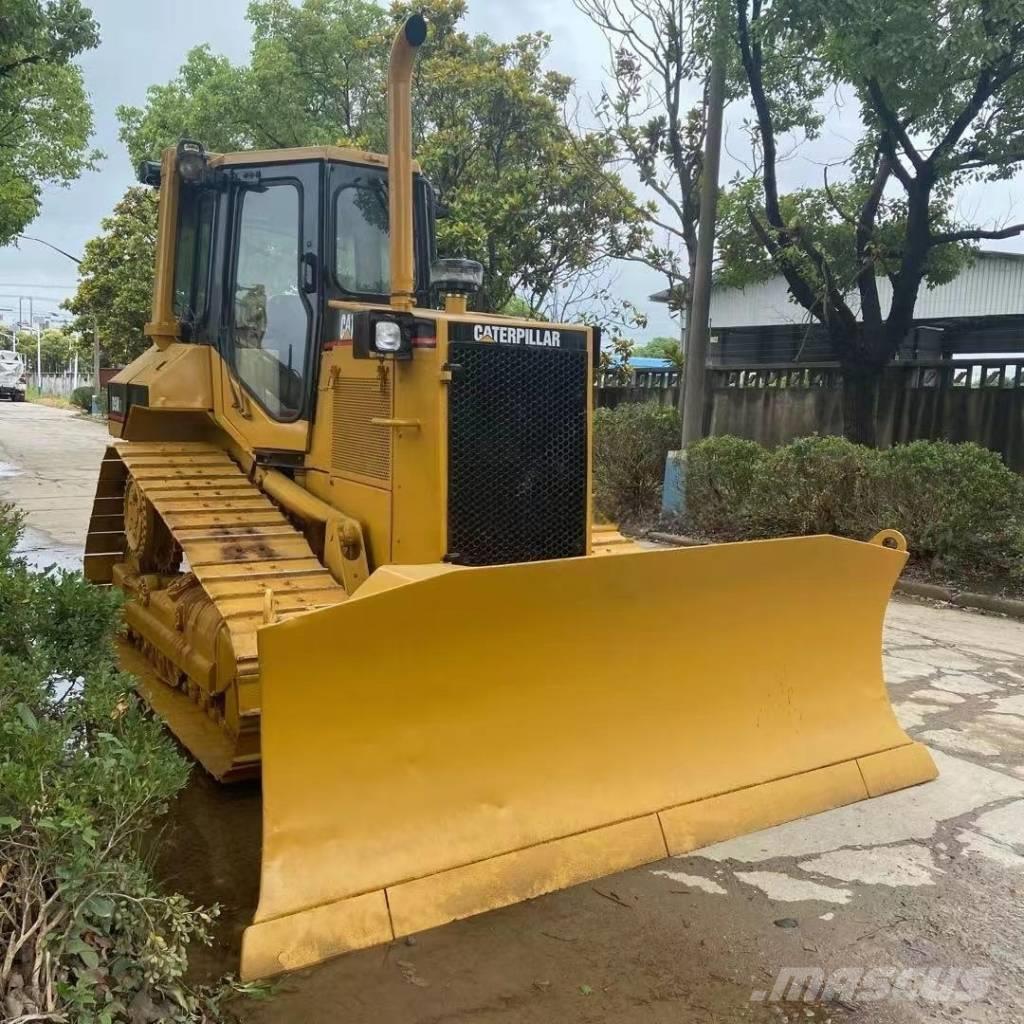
(204, 558)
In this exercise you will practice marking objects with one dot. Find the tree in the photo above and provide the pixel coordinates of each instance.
(116, 277)
(662, 348)
(56, 347)
(45, 117)
(534, 202)
(647, 111)
(940, 88)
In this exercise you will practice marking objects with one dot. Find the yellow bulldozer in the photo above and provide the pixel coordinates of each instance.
(355, 537)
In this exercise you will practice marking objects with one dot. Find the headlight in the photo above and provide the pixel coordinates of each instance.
(380, 335)
(387, 336)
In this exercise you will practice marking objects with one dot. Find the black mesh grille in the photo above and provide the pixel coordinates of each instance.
(517, 453)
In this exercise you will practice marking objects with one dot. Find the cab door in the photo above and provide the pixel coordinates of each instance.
(271, 305)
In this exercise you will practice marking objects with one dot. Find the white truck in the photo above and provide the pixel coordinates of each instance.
(12, 375)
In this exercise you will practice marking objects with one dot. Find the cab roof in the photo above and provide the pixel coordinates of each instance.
(336, 154)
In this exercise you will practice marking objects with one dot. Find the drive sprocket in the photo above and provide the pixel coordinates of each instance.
(148, 539)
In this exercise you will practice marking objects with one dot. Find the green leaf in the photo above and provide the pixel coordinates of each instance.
(9, 823)
(89, 957)
(77, 945)
(120, 967)
(27, 717)
(99, 906)
(586, 990)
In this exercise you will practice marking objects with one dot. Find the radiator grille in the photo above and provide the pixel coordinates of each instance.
(517, 453)
(359, 446)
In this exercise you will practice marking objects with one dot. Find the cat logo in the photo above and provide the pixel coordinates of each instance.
(509, 335)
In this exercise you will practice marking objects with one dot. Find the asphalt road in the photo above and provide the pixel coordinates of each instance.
(910, 906)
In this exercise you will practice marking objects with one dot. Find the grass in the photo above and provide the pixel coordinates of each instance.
(53, 401)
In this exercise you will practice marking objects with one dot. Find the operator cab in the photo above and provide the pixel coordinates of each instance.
(265, 240)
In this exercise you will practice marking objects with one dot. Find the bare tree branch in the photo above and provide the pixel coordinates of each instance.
(891, 123)
(976, 234)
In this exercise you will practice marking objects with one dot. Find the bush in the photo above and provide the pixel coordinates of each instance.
(954, 502)
(815, 485)
(957, 504)
(720, 473)
(84, 774)
(630, 445)
(82, 397)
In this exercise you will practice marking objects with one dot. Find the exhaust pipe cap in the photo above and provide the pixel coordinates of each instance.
(416, 30)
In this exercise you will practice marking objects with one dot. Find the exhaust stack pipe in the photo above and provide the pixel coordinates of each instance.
(403, 54)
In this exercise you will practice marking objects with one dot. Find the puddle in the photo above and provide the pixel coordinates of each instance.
(7, 470)
(41, 552)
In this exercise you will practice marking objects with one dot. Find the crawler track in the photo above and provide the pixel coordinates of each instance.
(194, 631)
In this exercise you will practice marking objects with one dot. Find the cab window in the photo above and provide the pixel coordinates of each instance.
(192, 256)
(270, 317)
(361, 232)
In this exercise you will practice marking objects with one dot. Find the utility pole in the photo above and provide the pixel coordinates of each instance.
(673, 494)
(95, 367)
(698, 331)
(95, 328)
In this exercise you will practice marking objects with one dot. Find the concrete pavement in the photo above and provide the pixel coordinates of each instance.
(905, 908)
(49, 460)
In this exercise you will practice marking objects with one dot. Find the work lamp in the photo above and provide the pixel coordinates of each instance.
(191, 160)
(456, 276)
(387, 336)
(376, 334)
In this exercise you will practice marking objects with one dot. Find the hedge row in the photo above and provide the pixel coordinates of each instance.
(957, 504)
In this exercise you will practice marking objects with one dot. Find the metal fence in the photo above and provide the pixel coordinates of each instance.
(980, 400)
(59, 385)
(652, 385)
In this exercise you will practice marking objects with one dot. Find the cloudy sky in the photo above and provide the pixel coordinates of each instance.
(144, 43)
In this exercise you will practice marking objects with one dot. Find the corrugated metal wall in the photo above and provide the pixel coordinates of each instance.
(992, 286)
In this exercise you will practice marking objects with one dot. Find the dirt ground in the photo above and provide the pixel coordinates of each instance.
(906, 895)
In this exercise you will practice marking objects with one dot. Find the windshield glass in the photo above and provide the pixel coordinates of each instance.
(10, 357)
(361, 231)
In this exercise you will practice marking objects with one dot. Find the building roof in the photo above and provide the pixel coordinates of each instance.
(992, 285)
(648, 363)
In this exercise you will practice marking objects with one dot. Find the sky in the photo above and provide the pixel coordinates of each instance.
(145, 43)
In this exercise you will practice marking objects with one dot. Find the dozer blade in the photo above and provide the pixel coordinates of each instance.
(474, 737)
